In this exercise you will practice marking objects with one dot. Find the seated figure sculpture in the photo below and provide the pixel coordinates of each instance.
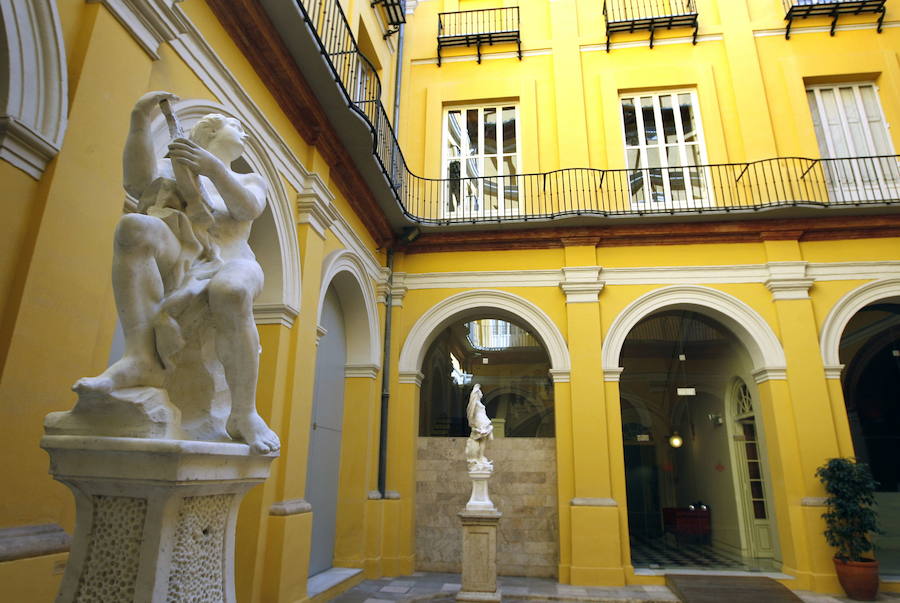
(187, 245)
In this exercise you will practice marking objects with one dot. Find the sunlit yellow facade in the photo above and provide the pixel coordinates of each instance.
(784, 281)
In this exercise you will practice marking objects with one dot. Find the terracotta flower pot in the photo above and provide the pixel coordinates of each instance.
(859, 578)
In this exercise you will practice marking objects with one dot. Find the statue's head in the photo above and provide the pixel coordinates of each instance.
(220, 135)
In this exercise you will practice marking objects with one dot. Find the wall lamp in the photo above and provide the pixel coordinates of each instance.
(675, 440)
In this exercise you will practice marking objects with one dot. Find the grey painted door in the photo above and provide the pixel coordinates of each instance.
(325, 435)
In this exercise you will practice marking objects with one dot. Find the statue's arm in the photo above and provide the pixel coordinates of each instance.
(244, 194)
(138, 159)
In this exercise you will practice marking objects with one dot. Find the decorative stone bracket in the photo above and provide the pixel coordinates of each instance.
(788, 280)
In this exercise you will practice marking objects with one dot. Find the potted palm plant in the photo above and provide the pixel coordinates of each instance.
(850, 523)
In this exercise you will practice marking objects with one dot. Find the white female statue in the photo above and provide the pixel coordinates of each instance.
(482, 431)
(185, 248)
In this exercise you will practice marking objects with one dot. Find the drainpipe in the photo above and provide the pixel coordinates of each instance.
(385, 375)
(398, 70)
(388, 301)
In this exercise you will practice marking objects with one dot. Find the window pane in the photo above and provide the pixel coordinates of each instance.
(509, 129)
(453, 186)
(839, 146)
(653, 157)
(454, 133)
(472, 170)
(472, 128)
(759, 509)
(631, 133)
(668, 119)
(634, 158)
(880, 139)
(756, 489)
(753, 468)
(491, 183)
(858, 137)
(649, 117)
(752, 453)
(698, 184)
(688, 125)
(490, 131)
(693, 154)
(509, 165)
(673, 156)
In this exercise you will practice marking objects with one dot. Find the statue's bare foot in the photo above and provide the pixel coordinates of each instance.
(126, 372)
(253, 430)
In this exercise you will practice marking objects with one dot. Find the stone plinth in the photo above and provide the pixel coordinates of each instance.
(480, 499)
(479, 566)
(155, 518)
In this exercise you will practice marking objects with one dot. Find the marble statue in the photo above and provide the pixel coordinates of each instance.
(183, 259)
(482, 431)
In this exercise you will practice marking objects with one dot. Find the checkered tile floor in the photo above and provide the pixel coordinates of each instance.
(658, 553)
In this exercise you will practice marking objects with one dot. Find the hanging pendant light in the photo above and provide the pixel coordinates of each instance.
(675, 440)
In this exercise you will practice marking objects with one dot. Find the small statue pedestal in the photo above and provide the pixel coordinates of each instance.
(479, 524)
(155, 518)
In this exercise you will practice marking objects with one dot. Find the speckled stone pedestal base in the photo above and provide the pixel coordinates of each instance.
(479, 563)
(155, 518)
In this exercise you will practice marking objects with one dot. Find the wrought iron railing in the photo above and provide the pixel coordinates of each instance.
(801, 9)
(629, 16)
(635, 10)
(791, 181)
(478, 27)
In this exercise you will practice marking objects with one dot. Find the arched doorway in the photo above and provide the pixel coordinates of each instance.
(512, 366)
(870, 350)
(323, 466)
(348, 342)
(695, 466)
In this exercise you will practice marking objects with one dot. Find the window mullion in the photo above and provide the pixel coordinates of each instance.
(642, 146)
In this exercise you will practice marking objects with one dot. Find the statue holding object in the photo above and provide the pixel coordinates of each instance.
(482, 430)
(183, 260)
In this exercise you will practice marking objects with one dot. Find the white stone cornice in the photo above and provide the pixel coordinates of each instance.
(320, 333)
(581, 284)
(315, 206)
(414, 377)
(613, 374)
(834, 371)
(24, 147)
(361, 371)
(788, 280)
(770, 373)
(274, 314)
(374, 495)
(411, 6)
(150, 22)
(561, 375)
(295, 506)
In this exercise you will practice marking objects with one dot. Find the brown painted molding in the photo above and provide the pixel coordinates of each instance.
(683, 233)
(250, 29)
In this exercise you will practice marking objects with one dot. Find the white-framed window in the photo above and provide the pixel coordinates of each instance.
(481, 157)
(852, 133)
(663, 143)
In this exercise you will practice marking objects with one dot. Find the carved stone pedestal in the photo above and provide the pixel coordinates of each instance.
(155, 518)
(480, 500)
(479, 562)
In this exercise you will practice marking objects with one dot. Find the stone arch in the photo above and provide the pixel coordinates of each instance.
(748, 326)
(274, 235)
(34, 101)
(844, 309)
(500, 304)
(346, 272)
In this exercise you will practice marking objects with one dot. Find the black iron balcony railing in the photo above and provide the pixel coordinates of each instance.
(476, 27)
(780, 182)
(395, 10)
(637, 15)
(801, 9)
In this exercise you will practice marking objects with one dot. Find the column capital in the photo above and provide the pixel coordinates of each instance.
(315, 205)
(398, 288)
(581, 284)
(788, 280)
